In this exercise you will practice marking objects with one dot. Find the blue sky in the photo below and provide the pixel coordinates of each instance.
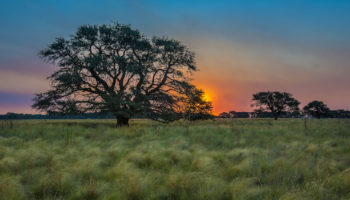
(302, 47)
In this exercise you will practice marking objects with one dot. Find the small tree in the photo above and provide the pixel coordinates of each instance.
(192, 105)
(115, 68)
(275, 102)
(317, 109)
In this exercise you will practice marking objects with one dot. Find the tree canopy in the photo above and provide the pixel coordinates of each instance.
(317, 109)
(117, 69)
(275, 102)
(193, 105)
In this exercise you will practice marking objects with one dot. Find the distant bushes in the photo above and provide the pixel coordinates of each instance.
(340, 113)
(233, 114)
(56, 116)
(230, 114)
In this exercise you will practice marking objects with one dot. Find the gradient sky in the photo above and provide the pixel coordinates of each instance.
(242, 46)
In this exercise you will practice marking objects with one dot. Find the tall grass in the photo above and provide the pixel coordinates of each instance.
(222, 159)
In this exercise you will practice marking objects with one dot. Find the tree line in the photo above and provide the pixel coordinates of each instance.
(229, 114)
(13, 116)
(282, 104)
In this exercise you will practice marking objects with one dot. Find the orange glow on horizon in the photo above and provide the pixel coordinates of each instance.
(206, 97)
(223, 97)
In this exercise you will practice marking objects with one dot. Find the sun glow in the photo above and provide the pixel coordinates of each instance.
(206, 97)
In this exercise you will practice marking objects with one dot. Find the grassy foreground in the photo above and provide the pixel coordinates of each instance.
(223, 159)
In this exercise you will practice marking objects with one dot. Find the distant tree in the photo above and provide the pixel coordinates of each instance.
(317, 109)
(275, 102)
(192, 104)
(224, 115)
(115, 68)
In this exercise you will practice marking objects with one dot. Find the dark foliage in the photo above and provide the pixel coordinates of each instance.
(99, 115)
(115, 68)
(295, 114)
(317, 109)
(192, 105)
(275, 102)
(340, 113)
(234, 114)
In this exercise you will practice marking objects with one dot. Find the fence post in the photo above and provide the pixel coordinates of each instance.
(11, 124)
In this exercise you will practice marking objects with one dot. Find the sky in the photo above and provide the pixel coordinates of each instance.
(241, 46)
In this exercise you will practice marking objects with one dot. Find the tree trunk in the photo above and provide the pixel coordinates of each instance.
(275, 117)
(122, 121)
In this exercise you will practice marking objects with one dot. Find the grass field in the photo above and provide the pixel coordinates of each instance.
(222, 159)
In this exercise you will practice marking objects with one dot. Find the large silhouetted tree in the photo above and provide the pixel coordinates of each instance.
(317, 109)
(115, 68)
(275, 102)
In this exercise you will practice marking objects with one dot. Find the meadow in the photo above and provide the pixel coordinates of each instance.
(222, 159)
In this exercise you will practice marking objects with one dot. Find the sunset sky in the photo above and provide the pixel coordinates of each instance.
(242, 46)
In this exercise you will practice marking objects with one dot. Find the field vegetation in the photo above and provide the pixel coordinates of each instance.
(222, 159)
